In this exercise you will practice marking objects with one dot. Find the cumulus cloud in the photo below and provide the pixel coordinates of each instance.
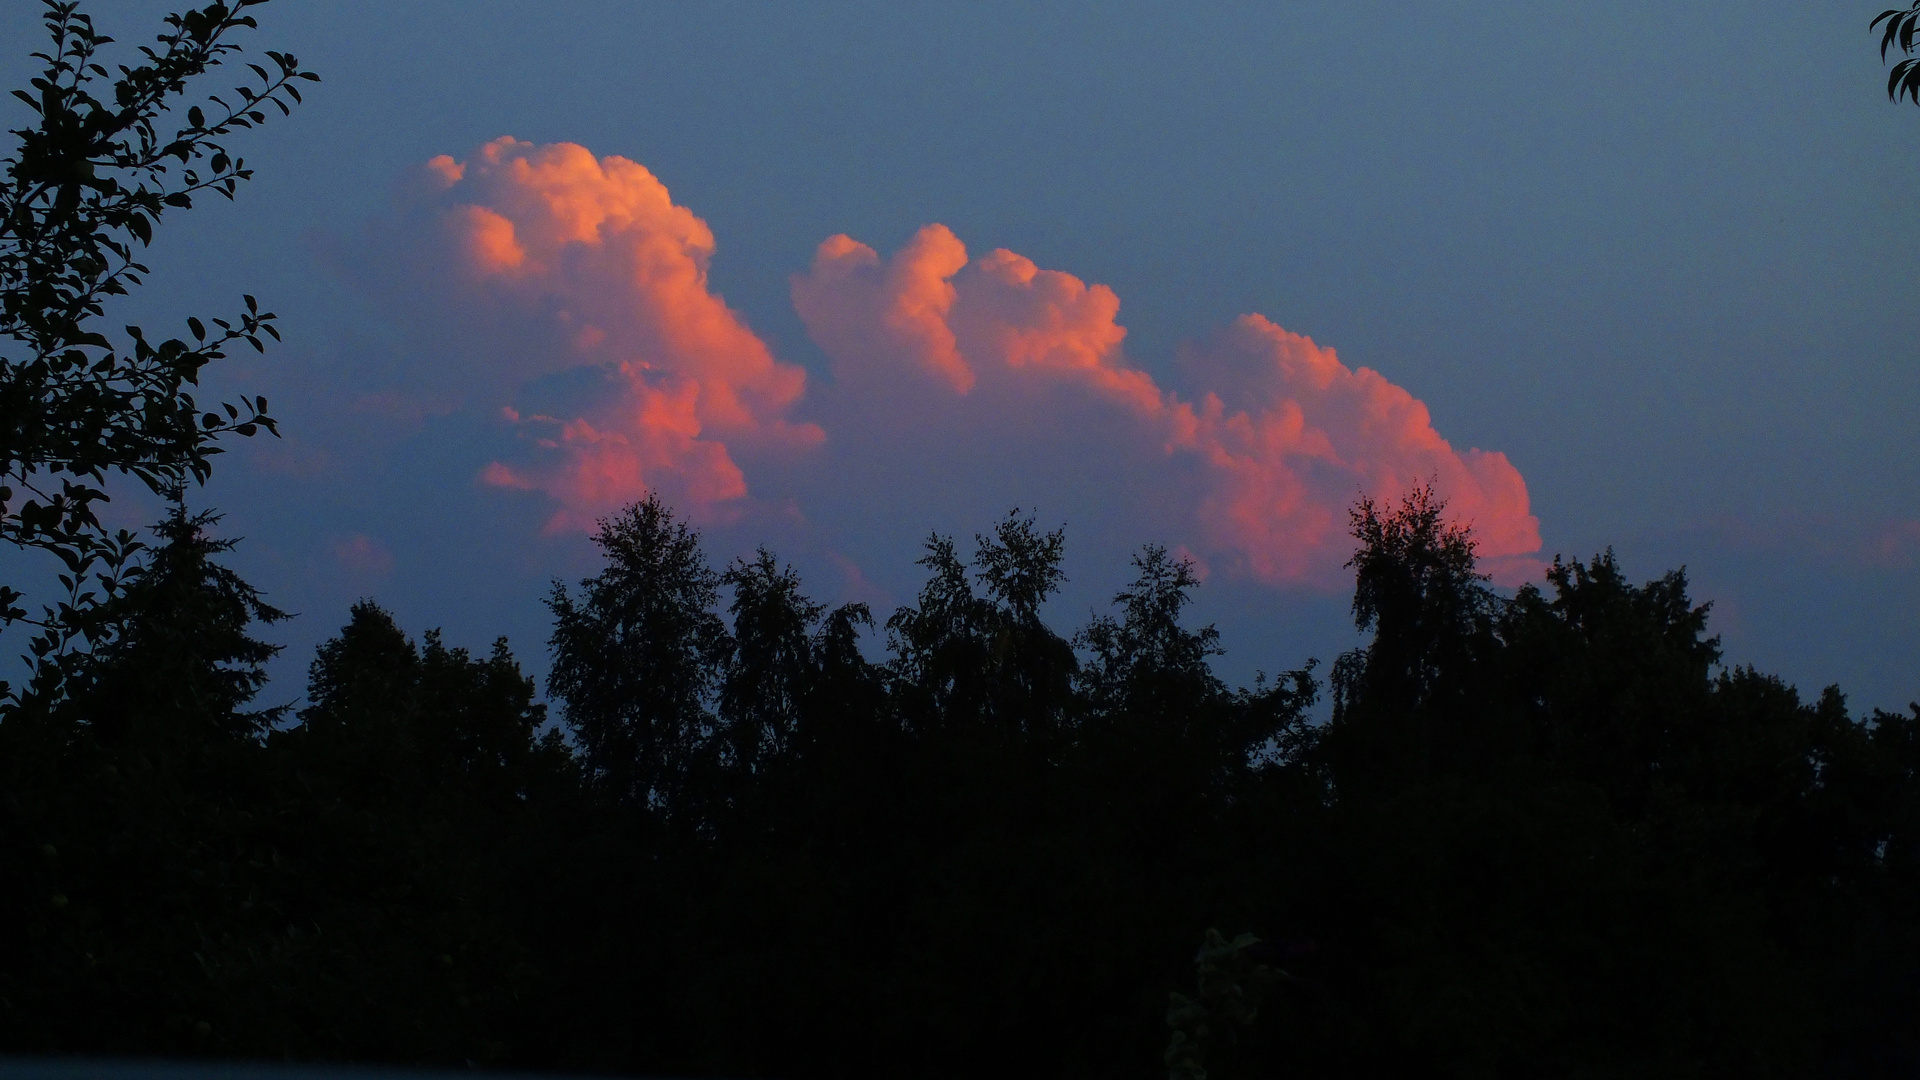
(568, 295)
(1253, 467)
(1290, 435)
(931, 312)
(577, 280)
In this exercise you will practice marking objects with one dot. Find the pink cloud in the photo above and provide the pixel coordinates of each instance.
(930, 310)
(569, 295)
(860, 310)
(559, 261)
(1291, 436)
(1255, 469)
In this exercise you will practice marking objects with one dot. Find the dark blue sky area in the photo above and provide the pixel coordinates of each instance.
(1662, 256)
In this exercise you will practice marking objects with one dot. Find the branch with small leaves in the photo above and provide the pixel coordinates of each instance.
(82, 191)
(1902, 25)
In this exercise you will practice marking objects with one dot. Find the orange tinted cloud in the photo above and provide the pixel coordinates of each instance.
(1257, 464)
(571, 264)
(1291, 436)
(600, 470)
(931, 310)
(572, 288)
(886, 321)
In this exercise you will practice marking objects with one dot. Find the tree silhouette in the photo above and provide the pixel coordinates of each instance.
(1901, 26)
(987, 662)
(639, 658)
(134, 775)
(1543, 834)
(84, 188)
(174, 659)
(1146, 659)
(774, 663)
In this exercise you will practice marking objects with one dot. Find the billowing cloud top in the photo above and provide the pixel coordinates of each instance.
(947, 371)
(1276, 441)
(1291, 436)
(597, 264)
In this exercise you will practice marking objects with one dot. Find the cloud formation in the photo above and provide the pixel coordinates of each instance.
(1290, 436)
(568, 295)
(1269, 445)
(583, 272)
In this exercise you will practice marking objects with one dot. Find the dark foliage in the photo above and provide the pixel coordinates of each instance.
(1541, 835)
(1901, 26)
(638, 661)
(83, 190)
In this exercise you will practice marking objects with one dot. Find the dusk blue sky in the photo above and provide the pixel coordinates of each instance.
(1661, 257)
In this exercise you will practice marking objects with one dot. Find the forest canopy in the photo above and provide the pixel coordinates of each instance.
(1541, 834)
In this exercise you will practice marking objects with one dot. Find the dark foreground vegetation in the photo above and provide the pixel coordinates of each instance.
(1545, 835)
(1541, 836)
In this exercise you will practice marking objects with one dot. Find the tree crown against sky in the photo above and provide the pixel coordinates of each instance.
(107, 157)
(762, 852)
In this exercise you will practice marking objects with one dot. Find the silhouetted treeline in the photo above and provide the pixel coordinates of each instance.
(1541, 835)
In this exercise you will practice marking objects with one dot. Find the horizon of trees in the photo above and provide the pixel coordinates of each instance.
(1541, 834)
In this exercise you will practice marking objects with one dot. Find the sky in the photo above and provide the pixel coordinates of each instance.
(831, 277)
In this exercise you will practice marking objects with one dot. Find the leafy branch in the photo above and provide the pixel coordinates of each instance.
(1901, 28)
(83, 190)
